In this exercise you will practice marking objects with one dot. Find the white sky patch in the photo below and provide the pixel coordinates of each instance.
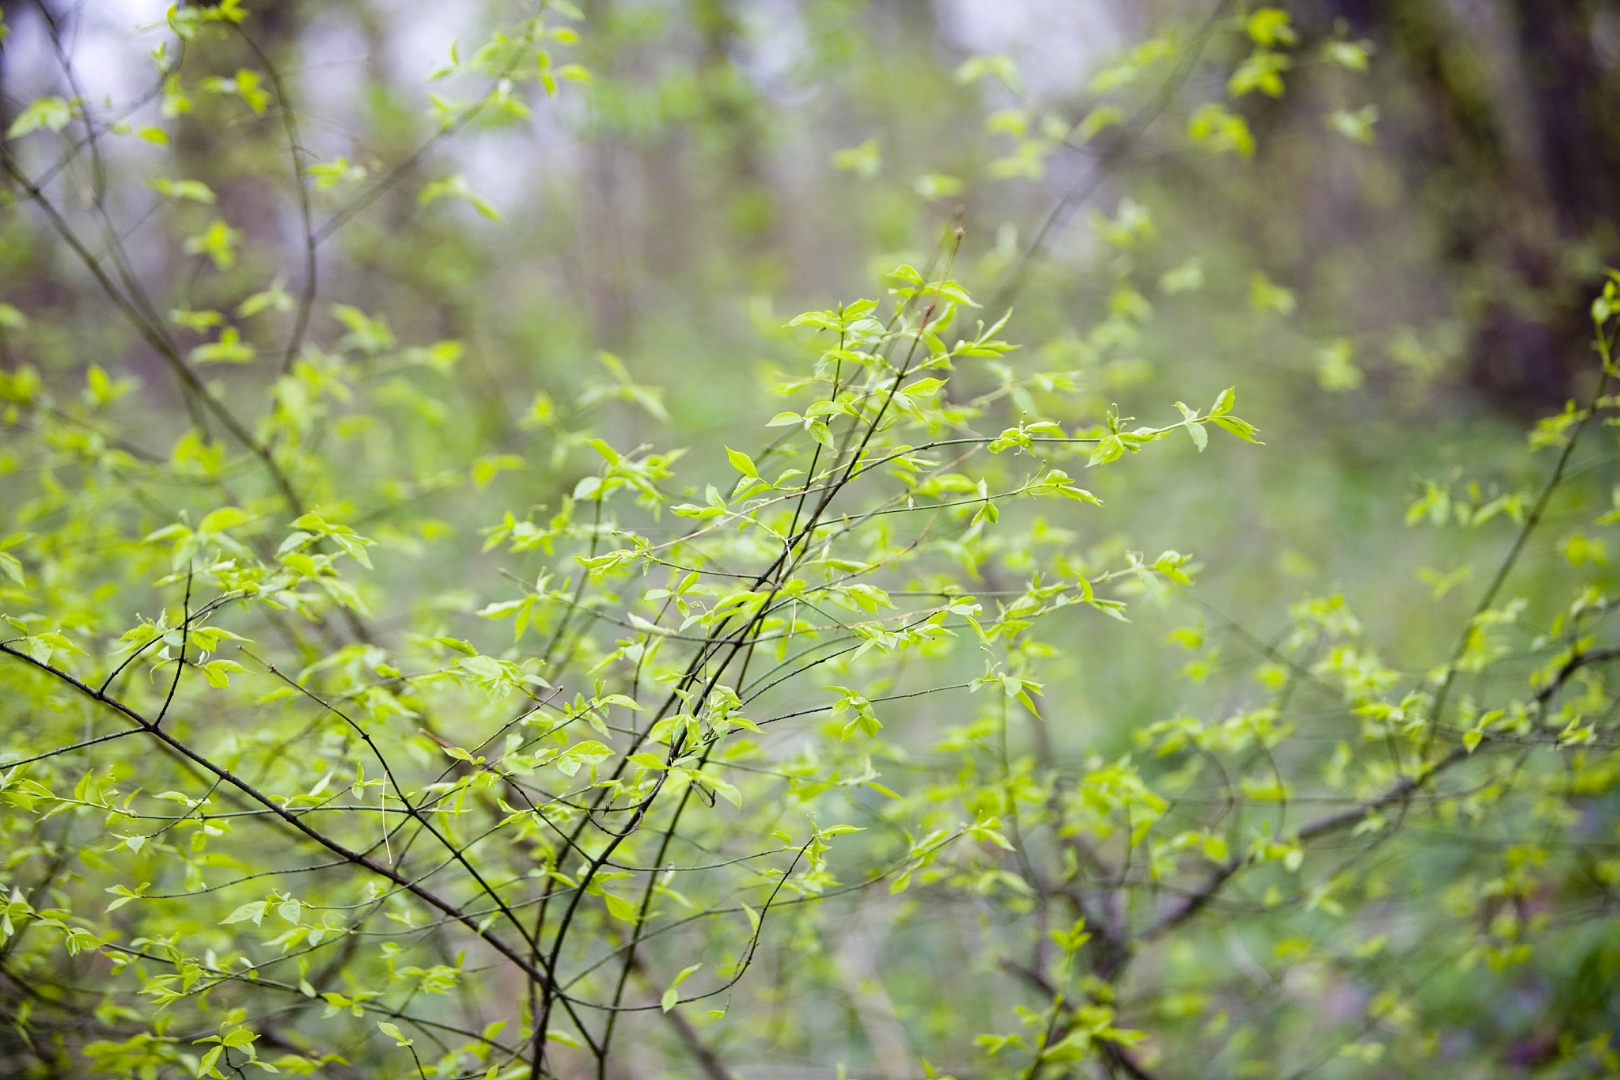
(1057, 44)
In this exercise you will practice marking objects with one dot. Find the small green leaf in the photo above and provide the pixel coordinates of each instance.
(253, 911)
(48, 113)
(226, 517)
(742, 462)
(864, 160)
(1357, 125)
(1097, 119)
(1269, 26)
(620, 908)
(218, 672)
(229, 349)
(456, 187)
(393, 1032)
(667, 1002)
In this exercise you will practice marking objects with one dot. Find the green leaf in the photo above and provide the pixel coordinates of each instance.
(1220, 131)
(669, 999)
(864, 160)
(725, 790)
(456, 187)
(194, 190)
(1188, 277)
(226, 517)
(1241, 428)
(1261, 71)
(999, 67)
(485, 469)
(620, 908)
(218, 242)
(46, 113)
(1357, 126)
(1097, 119)
(393, 1032)
(742, 462)
(1350, 55)
(1336, 371)
(937, 186)
(218, 672)
(1265, 295)
(329, 174)
(229, 349)
(1270, 26)
(253, 911)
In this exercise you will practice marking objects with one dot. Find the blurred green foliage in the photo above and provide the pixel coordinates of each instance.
(464, 620)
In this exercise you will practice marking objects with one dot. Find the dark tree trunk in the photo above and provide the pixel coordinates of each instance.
(1520, 119)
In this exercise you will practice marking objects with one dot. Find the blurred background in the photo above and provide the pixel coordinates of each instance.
(1391, 262)
(1433, 225)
